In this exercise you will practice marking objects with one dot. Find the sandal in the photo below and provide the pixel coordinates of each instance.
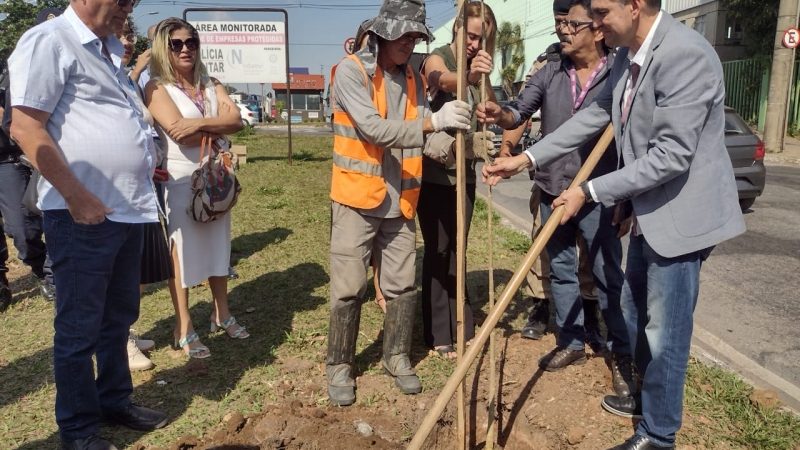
(232, 329)
(199, 351)
(444, 351)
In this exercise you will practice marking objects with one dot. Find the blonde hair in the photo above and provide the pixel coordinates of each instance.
(160, 65)
(489, 24)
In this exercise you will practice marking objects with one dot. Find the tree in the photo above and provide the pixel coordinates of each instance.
(757, 19)
(20, 16)
(512, 54)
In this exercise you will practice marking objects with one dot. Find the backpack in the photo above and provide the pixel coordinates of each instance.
(215, 188)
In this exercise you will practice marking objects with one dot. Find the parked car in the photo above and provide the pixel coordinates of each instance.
(746, 151)
(254, 106)
(248, 117)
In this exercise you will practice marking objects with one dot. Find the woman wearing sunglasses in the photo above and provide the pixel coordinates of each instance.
(187, 104)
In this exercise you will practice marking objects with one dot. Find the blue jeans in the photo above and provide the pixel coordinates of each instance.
(658, 302)
(24, 227)
(593, 222)
(96, 269)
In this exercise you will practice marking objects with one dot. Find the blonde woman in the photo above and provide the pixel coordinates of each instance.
(437, 201)
(187, 105)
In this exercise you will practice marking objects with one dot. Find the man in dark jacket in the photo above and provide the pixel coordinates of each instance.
(560, 89)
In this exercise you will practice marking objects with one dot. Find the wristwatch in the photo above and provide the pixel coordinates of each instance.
(586, 192)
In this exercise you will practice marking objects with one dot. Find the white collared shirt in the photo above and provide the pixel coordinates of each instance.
(95, 119)
(641, 56)
(634, 58)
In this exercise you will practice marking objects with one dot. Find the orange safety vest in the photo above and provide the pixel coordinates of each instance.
(357, 164)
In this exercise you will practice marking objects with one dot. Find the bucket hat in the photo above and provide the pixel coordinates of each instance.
(47, 14)
(398, 17)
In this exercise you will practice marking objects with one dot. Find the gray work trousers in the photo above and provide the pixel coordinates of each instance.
(355, 240)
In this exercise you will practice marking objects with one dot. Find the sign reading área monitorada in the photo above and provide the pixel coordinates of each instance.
(243, 52)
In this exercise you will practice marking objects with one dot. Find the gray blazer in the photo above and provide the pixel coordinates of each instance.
(676, 170)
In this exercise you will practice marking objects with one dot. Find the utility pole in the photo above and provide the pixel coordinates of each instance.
(780, 79)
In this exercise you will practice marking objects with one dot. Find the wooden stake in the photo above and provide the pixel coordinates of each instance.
(496, 313)
(461, 185)
(492, 407)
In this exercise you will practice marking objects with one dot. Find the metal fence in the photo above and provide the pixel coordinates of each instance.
(747, 88)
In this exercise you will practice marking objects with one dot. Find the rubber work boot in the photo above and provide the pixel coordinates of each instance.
(342, 334)
(398, 327)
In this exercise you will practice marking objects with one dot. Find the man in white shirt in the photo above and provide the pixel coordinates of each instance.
(77, 119)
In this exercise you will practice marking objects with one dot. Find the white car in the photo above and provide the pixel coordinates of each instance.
(248, 117)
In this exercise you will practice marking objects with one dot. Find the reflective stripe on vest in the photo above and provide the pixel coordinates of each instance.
(357, 164)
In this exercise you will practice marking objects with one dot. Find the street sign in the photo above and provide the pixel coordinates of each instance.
(791, 38)
(243, 52)
(349, 45)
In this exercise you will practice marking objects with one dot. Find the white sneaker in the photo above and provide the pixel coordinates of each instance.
(136, 359)
(144, 345)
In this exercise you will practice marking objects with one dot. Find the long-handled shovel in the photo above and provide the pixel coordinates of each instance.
(456, 379)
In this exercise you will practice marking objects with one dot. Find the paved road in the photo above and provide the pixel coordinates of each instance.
(748, 315)
(297, 130)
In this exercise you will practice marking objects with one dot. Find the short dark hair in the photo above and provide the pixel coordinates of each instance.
(587, 5)
(653, 4)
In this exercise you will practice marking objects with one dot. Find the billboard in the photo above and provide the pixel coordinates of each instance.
(243, 52)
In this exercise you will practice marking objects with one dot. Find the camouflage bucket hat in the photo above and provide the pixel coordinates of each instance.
(398, 17)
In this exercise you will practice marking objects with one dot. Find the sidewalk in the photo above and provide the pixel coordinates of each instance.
(789, 155)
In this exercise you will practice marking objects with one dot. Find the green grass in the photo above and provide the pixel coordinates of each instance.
(280, 250)
(722, 399)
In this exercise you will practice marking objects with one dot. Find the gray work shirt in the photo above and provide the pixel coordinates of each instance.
(549, 90)
(393, 133)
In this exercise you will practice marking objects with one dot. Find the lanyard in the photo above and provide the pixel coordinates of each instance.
(577, 100)
(197, 99)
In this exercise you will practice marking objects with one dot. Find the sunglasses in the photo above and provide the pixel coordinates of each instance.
(176, 45)
(124, 3)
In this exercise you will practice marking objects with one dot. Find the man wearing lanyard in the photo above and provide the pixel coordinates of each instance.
(665, 98)
(78, 120)
(560, 89)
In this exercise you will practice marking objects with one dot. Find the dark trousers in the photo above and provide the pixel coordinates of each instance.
(24, 227)
(437, 220)
(96, 269)
(593, 223)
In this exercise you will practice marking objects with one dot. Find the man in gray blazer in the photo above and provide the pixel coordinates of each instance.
(665, 99)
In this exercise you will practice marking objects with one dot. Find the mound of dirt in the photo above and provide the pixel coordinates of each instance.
(537, 410)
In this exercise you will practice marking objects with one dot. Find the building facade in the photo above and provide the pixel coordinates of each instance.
(709, 18)
(535, 19)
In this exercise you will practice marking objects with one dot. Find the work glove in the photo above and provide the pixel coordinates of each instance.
(480, 145)
(453, 115)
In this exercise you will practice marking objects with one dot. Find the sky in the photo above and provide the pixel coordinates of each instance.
(317, 28)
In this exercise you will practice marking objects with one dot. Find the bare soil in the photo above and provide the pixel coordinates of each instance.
(538, 410)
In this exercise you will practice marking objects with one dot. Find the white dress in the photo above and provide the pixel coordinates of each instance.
(204, 249)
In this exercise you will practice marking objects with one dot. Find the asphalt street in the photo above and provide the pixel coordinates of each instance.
(749, 308)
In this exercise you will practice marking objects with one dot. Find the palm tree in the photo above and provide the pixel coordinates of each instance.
(512, 54)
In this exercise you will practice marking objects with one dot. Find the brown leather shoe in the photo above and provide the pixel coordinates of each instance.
(560, 358)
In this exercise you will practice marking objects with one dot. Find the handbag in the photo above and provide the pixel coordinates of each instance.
(215, 188)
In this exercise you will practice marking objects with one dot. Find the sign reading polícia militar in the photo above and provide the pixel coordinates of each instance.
(243, 52)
